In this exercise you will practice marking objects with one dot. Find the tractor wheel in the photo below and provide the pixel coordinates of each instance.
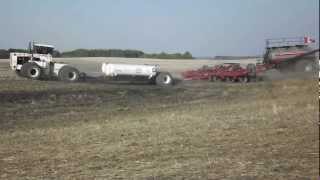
(164, 79)
(306, 66)
(68, 74)
(31, 70)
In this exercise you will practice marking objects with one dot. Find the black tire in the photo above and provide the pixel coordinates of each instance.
(306, 66)
(68, 74)
(31, 70)
(164, 79)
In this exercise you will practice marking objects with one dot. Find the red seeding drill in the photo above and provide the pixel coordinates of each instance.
(223, 72)
(285, 55)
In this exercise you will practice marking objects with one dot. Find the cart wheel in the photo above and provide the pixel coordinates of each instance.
(164, 79)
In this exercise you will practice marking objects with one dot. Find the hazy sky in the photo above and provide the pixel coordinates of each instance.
(203, 27)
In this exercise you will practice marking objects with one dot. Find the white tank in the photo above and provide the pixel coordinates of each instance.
(129, 70)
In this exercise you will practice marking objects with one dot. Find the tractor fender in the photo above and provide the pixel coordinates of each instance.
(56, 67)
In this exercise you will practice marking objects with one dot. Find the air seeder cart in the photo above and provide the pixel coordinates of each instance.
(284, 54)
(147, 72)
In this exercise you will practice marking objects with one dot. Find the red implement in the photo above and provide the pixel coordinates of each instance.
(199, 74)
(223, 72)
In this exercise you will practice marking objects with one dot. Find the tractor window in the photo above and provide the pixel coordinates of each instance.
(42, 50)
(22, 60)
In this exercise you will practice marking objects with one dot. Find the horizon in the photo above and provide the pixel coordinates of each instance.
(205, 28)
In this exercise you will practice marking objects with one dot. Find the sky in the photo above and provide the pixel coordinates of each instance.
(202, 27)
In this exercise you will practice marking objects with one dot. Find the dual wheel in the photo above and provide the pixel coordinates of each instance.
(33, 71)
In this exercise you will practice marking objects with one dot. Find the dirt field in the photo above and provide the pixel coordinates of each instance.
(193, 130)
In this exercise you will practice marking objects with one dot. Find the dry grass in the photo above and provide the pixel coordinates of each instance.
(195, 130)
(272, 135)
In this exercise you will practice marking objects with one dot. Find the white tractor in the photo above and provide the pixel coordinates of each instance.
(38, 64)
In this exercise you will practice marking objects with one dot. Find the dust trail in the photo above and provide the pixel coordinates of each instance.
(274, 74)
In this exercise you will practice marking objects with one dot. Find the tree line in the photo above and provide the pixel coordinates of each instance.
(4, 54)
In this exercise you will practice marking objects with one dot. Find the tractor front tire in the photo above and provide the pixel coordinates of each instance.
(31, 70)
(68, 74)
(164, 79)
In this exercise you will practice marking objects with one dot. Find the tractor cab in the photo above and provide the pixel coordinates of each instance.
(41, 52)
(41, 49)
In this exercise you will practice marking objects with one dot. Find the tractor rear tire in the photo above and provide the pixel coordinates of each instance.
(68, 74)
(164, 79)
(31, 70)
